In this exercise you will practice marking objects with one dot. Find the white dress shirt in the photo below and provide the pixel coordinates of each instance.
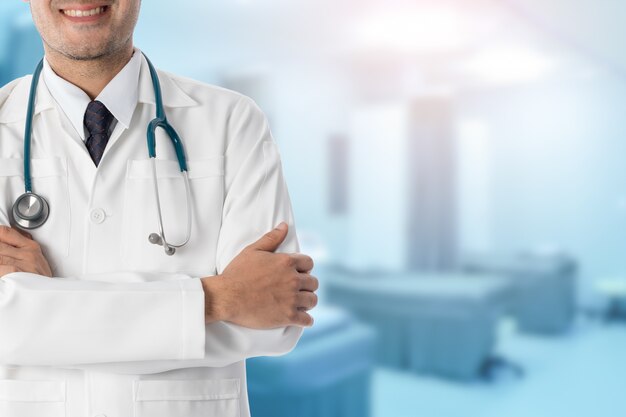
(120, 96)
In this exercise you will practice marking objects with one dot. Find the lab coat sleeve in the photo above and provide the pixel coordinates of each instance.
(63, 321)
(257, 200)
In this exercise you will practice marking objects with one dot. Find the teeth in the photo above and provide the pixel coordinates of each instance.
(84, 13)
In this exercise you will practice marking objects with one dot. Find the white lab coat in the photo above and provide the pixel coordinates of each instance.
(119, 331)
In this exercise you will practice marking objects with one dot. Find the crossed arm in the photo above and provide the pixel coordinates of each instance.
(134, 322)
(259, 289)
(257, 306)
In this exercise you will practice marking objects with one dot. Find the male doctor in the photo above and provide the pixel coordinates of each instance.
(95, 321)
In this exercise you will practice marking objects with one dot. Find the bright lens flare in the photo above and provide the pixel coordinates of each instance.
(409, 32)
(512, 64)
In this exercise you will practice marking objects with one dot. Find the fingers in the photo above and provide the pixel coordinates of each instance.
(24, 233)
(272, 239)
(306, 300)
(7, 269)
(8, 251)
(14, 238)
(303, 319)
(11, 259)
(19, 265)
(308, 283)
(303, 263)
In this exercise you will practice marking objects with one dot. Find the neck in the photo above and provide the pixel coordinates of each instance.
(91, 76)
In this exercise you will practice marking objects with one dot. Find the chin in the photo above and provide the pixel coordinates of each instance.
(85, 53)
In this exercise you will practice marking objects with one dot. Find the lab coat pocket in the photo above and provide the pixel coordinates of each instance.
(49, 178)
(196, 258)
(32, 398)
(187, 398)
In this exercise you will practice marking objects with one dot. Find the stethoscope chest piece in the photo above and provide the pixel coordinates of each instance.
(30, 211)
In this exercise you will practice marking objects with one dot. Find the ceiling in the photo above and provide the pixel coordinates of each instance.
(228, 30)
(228, 33)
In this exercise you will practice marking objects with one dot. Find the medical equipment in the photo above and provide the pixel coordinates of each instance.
(543, 284)
(31, 210)
(422, 318)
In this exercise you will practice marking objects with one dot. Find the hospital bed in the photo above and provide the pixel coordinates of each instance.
(544, 288)
(442, 324)
(326, 375)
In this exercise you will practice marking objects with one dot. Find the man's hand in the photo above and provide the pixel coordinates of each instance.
(261, 289)
(20, 253)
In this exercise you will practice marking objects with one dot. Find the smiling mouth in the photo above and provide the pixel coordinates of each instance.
(85, 13)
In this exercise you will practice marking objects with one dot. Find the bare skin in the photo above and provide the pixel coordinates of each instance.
(20, 253)
(88, 54)
(259, 288)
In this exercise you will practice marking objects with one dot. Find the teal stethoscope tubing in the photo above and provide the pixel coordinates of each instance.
(159, 122)
(28, 132)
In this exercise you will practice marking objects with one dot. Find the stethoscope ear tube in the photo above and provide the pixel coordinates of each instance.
(159, 238)
(161, 122)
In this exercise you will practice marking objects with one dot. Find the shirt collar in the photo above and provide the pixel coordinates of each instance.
(13, 100)
(120, 96)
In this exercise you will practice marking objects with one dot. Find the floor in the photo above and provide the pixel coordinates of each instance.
(580, 374)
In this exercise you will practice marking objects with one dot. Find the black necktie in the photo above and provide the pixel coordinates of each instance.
(97, 121)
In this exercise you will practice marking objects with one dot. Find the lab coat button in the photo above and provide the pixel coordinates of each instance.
(97, 216)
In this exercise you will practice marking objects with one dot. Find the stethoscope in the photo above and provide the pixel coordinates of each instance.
(31, 210)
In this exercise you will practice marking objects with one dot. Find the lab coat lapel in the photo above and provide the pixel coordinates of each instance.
(14, 108)
(173, 95)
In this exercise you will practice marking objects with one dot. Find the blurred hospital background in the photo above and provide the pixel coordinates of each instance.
(458, 171)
